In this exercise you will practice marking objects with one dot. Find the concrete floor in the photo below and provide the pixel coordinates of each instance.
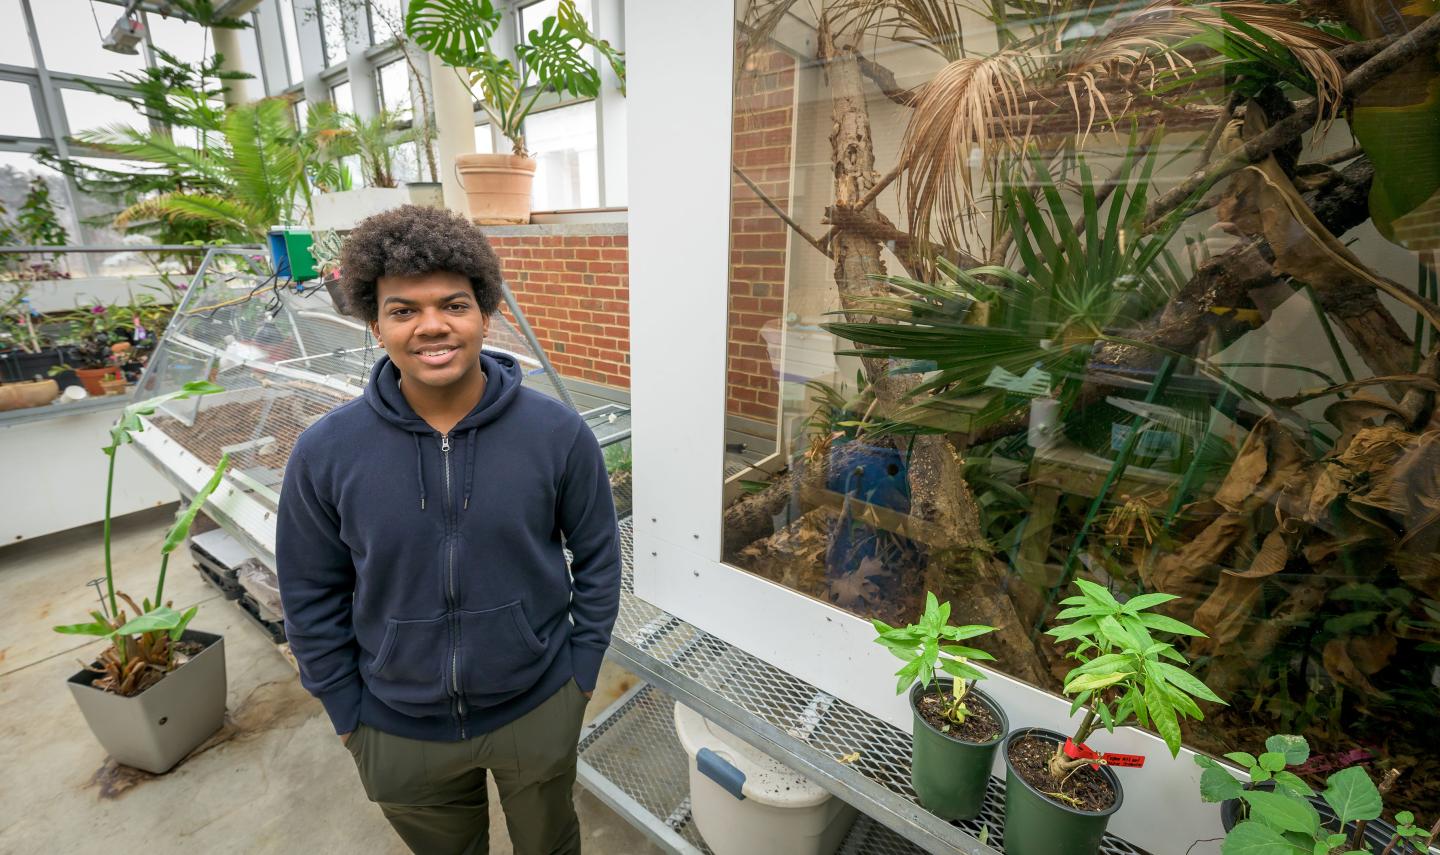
(275, 779)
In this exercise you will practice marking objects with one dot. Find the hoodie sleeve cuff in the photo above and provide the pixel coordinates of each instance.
(586, 662)
(342, 704)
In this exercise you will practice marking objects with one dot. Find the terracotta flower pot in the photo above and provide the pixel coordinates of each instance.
(114, 386)
(18, 396)
(90, 378)
(497, 187)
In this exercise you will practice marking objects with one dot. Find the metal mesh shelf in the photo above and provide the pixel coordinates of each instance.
(806, 728)
(631, 758)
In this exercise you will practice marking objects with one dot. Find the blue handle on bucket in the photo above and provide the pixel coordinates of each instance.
(721, 771)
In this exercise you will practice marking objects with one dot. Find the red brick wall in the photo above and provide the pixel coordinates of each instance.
(575, 289)
(764, 119)
(575, 292)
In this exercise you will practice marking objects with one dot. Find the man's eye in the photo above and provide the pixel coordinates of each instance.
(461, 306)
(399, 313)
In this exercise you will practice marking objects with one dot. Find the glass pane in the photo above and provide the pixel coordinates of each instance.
(86, 110)
(395, 87)
(17, 110)
(532, 16)
(68, 48)
(1210, 387)
(332, 19)
(563, 143)
(340, 95)
(292, 41)
(14, 38)
(298, 112)
(484, 143)
(406, 162)
(188, 41)
(387, 20)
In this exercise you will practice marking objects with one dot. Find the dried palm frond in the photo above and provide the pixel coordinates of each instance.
(965, 108)
(976, 109)
(934, 25)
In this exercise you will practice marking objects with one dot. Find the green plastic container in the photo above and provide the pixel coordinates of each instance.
(1035, 824)
(950, 775)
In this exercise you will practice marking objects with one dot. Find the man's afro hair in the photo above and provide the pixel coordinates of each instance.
(413, 241)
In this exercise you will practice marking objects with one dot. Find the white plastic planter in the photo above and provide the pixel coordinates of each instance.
(746, 802)
(345, 210)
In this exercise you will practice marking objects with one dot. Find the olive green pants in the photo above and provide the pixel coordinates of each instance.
(433, 793)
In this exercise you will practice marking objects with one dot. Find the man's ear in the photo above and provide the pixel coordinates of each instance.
(375, 330)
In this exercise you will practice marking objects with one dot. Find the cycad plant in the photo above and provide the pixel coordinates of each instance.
(246, 179)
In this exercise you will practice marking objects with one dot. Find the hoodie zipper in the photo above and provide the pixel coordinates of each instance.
(451, 600)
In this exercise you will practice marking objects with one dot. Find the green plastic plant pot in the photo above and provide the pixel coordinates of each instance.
(950, 775)
(1035, 824)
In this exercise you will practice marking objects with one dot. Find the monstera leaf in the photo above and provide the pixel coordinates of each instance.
(553, 53)
(457, 31)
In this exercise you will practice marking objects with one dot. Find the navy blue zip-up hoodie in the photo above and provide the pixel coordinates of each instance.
(423, 576)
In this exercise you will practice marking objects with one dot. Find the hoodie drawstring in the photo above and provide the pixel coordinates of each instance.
(469, 466)
(419, 468)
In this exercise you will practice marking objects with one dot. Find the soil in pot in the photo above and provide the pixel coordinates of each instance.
(951, 763)
(980, 725)
(1030, 757)
(1037, 823)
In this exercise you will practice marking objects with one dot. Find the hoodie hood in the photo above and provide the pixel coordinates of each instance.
(502, 384)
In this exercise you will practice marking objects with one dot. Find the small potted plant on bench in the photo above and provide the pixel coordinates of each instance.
(1277, 812)
(957, 726)
(1059, 792)
(158, 690)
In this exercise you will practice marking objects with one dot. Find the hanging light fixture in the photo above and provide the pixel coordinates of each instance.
(127, 32)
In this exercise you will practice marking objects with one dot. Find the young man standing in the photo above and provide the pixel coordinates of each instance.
(419, 543)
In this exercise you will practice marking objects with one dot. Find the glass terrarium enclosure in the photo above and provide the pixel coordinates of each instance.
(1033, 292)
(285, 355)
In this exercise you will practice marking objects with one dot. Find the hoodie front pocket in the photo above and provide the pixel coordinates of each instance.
(409, 667)
(499, 653)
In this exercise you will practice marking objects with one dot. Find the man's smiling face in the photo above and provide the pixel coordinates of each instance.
(432, 327)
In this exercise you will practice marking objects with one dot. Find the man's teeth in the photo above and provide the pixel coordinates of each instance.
(440, 352)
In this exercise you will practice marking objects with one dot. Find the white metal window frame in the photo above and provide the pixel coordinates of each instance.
(681, 132)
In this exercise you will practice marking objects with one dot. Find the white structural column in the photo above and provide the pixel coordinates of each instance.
(312, 50)
(609, 24)
(227, 44)
(358, 69)
(454, 127)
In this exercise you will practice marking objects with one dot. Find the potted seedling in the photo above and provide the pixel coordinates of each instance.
(957, 726)
(551, 59)
(1060, 793)
(158, 690)
(1277, 812)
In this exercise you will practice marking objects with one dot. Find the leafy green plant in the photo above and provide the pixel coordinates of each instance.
(933, 645)
(1123, 673)
(142, 647)
(1082, 279)
(246, 179)
(1285, 819)
(552, 57)
(374, 141)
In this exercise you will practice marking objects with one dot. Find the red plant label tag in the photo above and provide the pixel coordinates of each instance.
(1085, 752)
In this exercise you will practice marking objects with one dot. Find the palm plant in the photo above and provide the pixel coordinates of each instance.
(552, 57)
(1077, 53)
(1081, 279)
(245, 180)
(374, 140)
